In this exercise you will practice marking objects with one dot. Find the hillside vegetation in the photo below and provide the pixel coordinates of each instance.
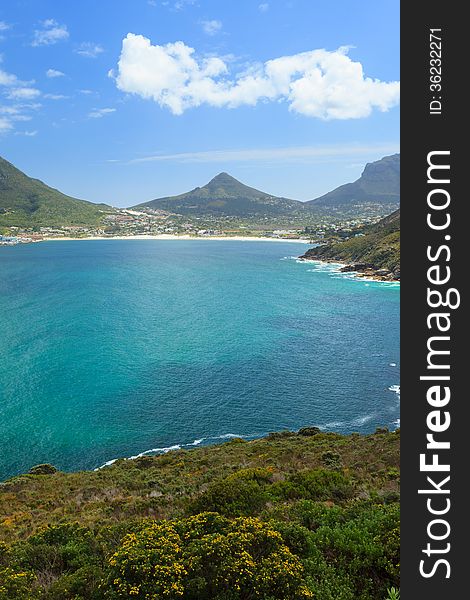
(378, 246)
(291, 516)
(28, 202)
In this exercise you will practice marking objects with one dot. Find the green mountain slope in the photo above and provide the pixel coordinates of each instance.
(28, 202)
(225, 196)
(293, 516)
(377, 246)
(379, 185)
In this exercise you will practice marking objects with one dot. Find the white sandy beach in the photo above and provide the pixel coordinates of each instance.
(164, 236)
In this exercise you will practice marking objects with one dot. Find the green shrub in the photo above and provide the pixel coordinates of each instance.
(297, 538)
(279, 435)
(66, 560)
(365, 547)
(393, 473)
(242, 493)
(331, 459)
(44, 469)
(309, 431)
(313, 515)
(57, 548)
(380, 430)
(318, 484)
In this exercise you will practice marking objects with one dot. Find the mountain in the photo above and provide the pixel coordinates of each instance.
(28, 202)
(378, 186)
(225, 196)
(377, 247)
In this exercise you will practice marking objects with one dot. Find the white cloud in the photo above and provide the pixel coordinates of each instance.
(55, 96)
(50, 33)
(180, 4)
(98, 113)
(18, 95)
(319, 83)
(9, 115)
(27, 133)
(5, 125)
(4, 26)
(211, 27)
(263, 7)
(296, 153)
(52, 73)
(7, 78)
(89, 49)
(23, 93)
(21, 118)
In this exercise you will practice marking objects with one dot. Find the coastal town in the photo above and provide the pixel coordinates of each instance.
(132, 223)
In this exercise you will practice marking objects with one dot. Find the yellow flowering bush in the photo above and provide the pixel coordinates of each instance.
(16, 585)
(149, 564)
(206, 557)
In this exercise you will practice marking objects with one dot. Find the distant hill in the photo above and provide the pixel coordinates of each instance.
(377, 247)
(225, 196)
(378, 186)
(28, 202)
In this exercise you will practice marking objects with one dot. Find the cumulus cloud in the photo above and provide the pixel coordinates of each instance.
(319, 83)
(89, 49)
(7, 78)
(23, 93)
(211, 27)
(18, 95)
(52, 73)
(98, 113)
(50, 32)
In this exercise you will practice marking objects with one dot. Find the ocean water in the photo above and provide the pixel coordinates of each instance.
(114, 348)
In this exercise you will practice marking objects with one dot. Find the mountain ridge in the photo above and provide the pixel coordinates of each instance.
(379, 183)
(224, 195)
(27, 201)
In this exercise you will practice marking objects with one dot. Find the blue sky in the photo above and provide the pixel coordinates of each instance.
(122, 101)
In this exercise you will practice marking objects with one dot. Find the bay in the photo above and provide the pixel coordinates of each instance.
(118, 347)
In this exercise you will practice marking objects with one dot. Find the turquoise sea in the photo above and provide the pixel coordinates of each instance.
(113, 348)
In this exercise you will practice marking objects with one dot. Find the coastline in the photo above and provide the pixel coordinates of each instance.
(163, 236)
(366, 275)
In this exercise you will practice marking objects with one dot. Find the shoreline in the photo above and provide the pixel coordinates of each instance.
(171, 237)
(348, 268)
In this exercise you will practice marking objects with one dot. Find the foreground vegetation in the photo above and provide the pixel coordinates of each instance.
(291, 516)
